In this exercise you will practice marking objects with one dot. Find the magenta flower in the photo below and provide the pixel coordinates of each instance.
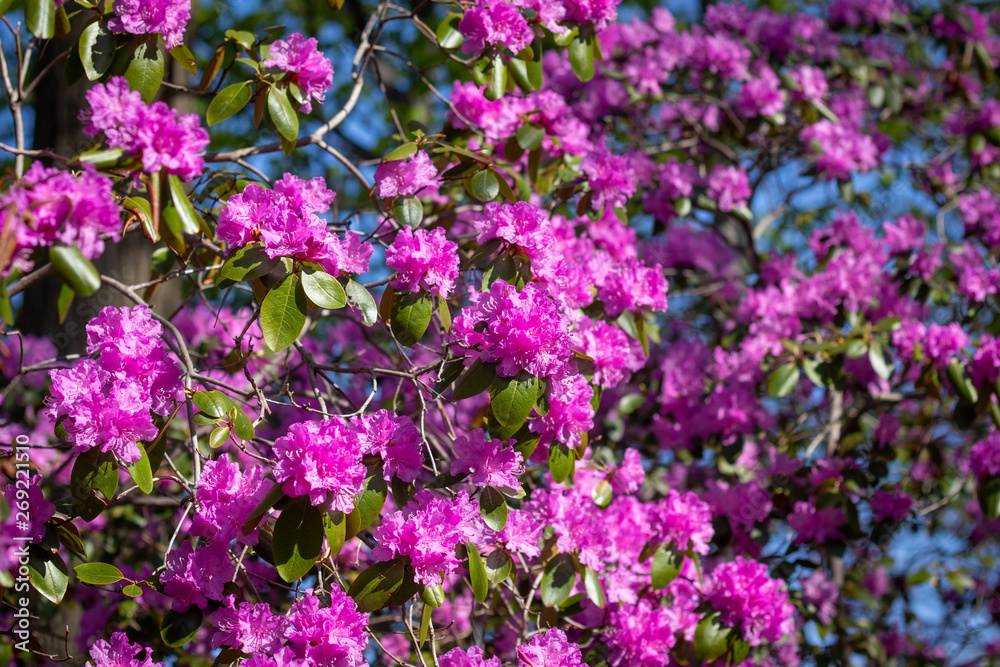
(310, 70)
(840, 148)
(577, 526)
(750, 601)
(333, 635)
(611, 177)
(407, 177)
(423, 260)
(601, 12)
(252, 628)
(153, 132)
(523, 225)
(728, 187)
(119, 652)
(225, 497)
(473, 657)
(984, 457)
(570, 413)
(322, 460)
(549, 648)
(820, 525)
(524, 330)
(395, 439)
(428, 531)
(684, 520)
(822, 592)
(521, 533)
(49, 206)
(630, 285)
(615, 354)
(497, 118)
(641, 635)
(39, 511)
(139, 17)
(494, 22)
(195, 577)
(487, 461)
(892, 505)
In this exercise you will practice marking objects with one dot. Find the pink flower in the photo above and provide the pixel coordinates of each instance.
(252, 628)
(840, 148)
(611, 178)
(395, 439)
(523, 225)
(601, 12)
(615, 354)
(140, 17)
(821, 591)
(728, 187)
(570, 413)
(684, 520)
(551, 649)
(333, 635)
(631, 285)
(407, 177)
(641, 635)
(521, 533)
(225, 497)
(494, 22)
(120, 652)
(577, 525)
(761, 95)
(322, 460)
(750, 601)
(428, 532)
(524, 330)
(473, 657)
(423, 260)
(487, 461)
(497, 118)
(310, 70)
(815, 524)
(890, 504)
(39, 511)
(984, 457)
(194, 577)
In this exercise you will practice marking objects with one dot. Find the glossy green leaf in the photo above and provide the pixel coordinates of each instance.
(240, 424)
(372, 498)
(214, 403)
(141, 472)
(219, 437)
(410, 316)
(499, 565)
(878, 362)
(448, 37)
(667, 562)
(298, 539)
(382, 585)
(179, 628)
(98, 574)
(475, 380)
(581, 57)
(323, 289)
(182, 54)
(408, 211)
(711, 639)
(48, 573)
(361, 299)
(562, 460)
(191, 222)
(511, 401)
(425, 624)
(477, 573)
(93, 471)
(498, 78)
(284, 116)
(229, 102)
(76, 270)
(96, 48)
(484, 186)
(132, 590)
(247, 263)
(244, 38)
(558, 579)
(283, 313)
(40, 17)
(335, 529)
(145, 70)
(529, 136)
(433, 596)
(783, 380)
(961, 382)
(493, 507)
(595, 591)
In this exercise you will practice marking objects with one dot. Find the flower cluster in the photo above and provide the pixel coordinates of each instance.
(120, 652)
(50, 206)
(423, 260)
(750, 601)
(308, 69)
(106, 402)
(494, 22)
(488, 463)
(984, 457)
(152, 132)
(286, 220)
(139, 17)
(322, 460)
(840, 149)
(410, 176)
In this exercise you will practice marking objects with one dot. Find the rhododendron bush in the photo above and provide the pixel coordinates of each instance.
(528, 332)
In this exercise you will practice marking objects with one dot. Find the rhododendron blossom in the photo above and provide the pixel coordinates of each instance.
(167, 17)
(309, 69)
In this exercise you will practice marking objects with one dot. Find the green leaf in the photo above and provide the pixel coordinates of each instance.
(229, 102)
(988, 494)
(425, 624)
(595, 591)
(602, 494)
(7, 310)
(476, 379)
(273, 495)
(360, 298)
(284, 116)
(145, 71)
(408, 211)
(498, 78)
(323, 289)
(182, 54)
(558, 579)
(561, 462)
(511, 400)
(4, 6)
(283, 313)
(241, 424)
(244, 38)
(782, 380)
(69, 535)
(40, 17)
(493, 507)
(448, 37)
(190, 219)
(98, 574)
(219, 437)
(878, 362)
(93, 471)
(97, 49)
(529, 136)
(178, 628)
(477, 573)
(961, 382)
(381, 585)
(485, 186)
(49, 574)
(499, 565)
(335, 528)
(298, 539)
(667, 562)
(247, 263)
(140, 471)
(213, 403)
(132, 590)
(581, 57)
(711, 639)
(401, 152)
(410, 316)
(372, 497)
(76, 270)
